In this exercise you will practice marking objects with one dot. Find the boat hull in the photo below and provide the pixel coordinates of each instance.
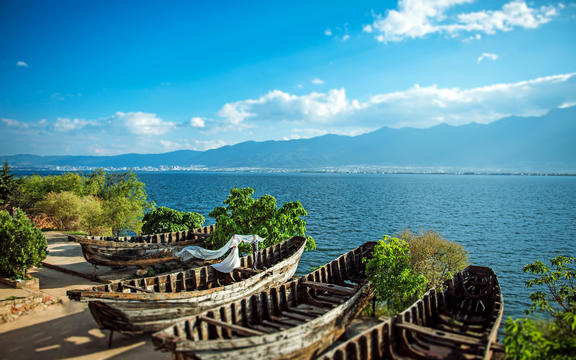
(122, 307)
(140, 251)
(461, 321)
(296, 320)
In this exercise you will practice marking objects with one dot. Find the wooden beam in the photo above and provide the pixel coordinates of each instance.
(440, 334)
(248, 271)
(236, 328)
(334, 289)
(137, 288)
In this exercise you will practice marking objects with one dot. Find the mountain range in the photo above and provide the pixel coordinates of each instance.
(545, 143)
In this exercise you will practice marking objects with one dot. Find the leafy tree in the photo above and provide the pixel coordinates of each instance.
(65, 207)
(436, 258)
(93, 217)
(554, 337)
(246, 215)
(22, 245)
(164, 219)
(395, 284)
(8, 186)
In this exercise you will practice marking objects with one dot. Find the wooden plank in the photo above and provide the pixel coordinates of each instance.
(445, 335)
(236, 328)
(247, 271)
(332, 288)
(137, 288)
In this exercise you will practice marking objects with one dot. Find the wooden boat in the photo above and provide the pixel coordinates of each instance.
(460, 322)
(153, 303)
(140, 251)
(294, 320)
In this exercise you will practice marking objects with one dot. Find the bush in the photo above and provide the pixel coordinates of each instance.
(93, 217)
(555, 336)
(65, 207)
(245, 215)
(164, 219)
(436, 258)
(22, 245)
(395, 284)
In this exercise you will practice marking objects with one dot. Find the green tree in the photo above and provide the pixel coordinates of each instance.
(22, 245)
(93, 218)
(8, 186)
(65, 207)
(124, 199)
(436, 258)
(395, 284)
(553, 337)
(245, 215)
(164, 219)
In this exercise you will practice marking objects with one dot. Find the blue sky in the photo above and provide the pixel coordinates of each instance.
(112, 77)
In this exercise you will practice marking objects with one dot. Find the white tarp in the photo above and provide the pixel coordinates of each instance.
(231, 261)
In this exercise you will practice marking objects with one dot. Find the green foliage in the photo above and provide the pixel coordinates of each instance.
(93, 217)
(395, 283)
(554, 337)
(245, 215)
(65, 207)
(436, 258)
(22, 245)
(101, 203)
(164, 219)
(8, 186)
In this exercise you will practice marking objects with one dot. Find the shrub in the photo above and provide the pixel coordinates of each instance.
(65, 207)
(436, 258)
(22, 245)
(93, 218)
(245, 215)
(395, 284)
(164, 219)
(555, 336)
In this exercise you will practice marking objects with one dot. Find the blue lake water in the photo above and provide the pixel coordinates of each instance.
(504, 222)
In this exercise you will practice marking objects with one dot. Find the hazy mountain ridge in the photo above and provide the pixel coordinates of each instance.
(546, 143)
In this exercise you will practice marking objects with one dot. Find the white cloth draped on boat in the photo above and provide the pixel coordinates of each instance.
(231, 261)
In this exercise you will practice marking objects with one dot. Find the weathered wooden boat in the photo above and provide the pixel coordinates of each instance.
(153, 303)
(140, 251)
(294, 320)
(460, 322)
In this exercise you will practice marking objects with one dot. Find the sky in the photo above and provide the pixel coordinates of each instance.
(111, 77)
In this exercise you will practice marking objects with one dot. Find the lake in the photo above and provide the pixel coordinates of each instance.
(504, 222)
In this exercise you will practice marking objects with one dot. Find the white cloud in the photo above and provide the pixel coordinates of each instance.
(280, 106)
(328, 32)
(21, 64)
(66, 124)
(419, 106)
(14, 123)
(202, 145)
(418, 18)
(317, 81)
(488, 56)
(345, 37)
(197, 122)
(141, 123)
(567, 105)
(367, 28)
